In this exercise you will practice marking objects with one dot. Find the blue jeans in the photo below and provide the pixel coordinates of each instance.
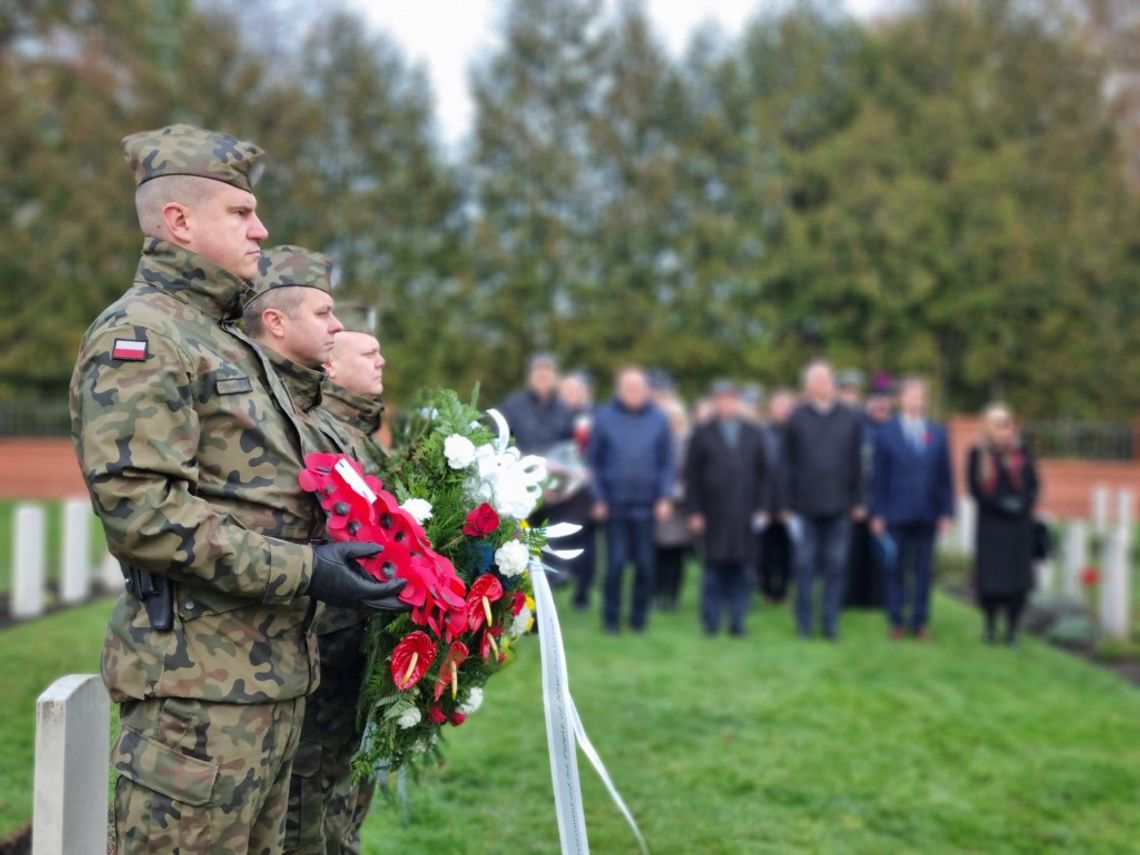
(628, 539)
(914, 542)
(725, 584)
(821, 552)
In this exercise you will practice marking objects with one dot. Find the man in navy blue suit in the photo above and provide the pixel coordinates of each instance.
(912, 495)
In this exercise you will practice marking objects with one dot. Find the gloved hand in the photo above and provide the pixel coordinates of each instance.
(340, 581)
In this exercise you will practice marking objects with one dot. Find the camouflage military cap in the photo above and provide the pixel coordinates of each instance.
(187, 150)
(357, 317)
(291, 267)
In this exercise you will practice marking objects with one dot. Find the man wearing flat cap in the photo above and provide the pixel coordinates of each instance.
(180, 431)
(726, 499)
(291, 319)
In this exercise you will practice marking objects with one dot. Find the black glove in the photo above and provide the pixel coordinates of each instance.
(340, 581)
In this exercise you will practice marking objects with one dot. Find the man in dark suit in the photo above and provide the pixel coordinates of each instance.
(821, 494)
(726, 500)
(912, 493)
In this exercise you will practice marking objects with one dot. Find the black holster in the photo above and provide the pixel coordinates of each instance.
(156, 593)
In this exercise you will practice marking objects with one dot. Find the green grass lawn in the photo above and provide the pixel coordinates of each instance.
(34, 654)
(53, 527)
(769, 744)
(739, 746)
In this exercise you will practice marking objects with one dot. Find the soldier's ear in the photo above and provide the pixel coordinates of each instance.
(177, 223)
(273, 321)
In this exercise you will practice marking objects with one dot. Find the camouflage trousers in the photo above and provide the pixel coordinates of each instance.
(326, 809)
(204, 777)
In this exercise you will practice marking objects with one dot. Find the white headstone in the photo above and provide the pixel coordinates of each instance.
(69, 809)
(75, 576)
(1125, 507)
(1115, 594)
(27, 561)
(967, 522)
(1100, 500)
(1076, 557)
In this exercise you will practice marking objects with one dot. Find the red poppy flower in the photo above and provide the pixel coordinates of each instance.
(1090, 576)
(436, 714)
(449, 669)
(411, 659)
(458, 717)
(485, 590)
(481, 521)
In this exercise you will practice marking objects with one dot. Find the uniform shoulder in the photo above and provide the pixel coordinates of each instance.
(142, 307)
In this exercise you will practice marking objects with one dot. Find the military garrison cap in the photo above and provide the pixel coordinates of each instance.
(357, 317)
(291, 267)
(187, 150)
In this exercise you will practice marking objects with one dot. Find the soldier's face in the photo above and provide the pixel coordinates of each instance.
(357, 363)
(225, 228)
(308, 334)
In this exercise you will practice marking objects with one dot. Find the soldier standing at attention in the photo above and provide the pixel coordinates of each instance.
(291, 319)
(181, 440)
(325, 808)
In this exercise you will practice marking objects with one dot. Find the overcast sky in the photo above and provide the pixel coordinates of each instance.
(448, 34)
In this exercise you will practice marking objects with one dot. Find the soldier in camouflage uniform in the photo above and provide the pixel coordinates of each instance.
(323, 794)
(289, 318)
(190, 452)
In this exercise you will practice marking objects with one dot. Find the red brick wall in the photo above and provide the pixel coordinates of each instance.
(47, 469)
(39, 469)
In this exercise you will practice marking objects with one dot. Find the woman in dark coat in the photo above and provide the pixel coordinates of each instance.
(1003, 482)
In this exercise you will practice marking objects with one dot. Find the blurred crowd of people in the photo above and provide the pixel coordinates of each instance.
(836, 485)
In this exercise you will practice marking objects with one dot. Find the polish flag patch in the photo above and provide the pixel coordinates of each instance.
(129, 349)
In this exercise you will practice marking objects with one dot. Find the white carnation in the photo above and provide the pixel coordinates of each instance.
(409, 718)
(418, 508)
(460, 451)
(473, 702)
(512, 558)
(521, 623)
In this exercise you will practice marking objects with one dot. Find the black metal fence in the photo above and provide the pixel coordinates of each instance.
(1082, 440)
(34, 418)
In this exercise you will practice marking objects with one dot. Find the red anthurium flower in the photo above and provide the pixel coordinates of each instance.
(518, 603)
(452, 591)
(485, 590)
(458, 717)
(455, 624)
(411, 659)
(1090, 576)
(437, 715)
(449, 669)
(481, 521)
(418, 573)
(487, 644)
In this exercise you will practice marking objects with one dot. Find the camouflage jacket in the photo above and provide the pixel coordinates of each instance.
(190, 451)
(353, 419)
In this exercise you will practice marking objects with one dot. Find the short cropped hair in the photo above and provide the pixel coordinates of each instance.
(285, 300)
